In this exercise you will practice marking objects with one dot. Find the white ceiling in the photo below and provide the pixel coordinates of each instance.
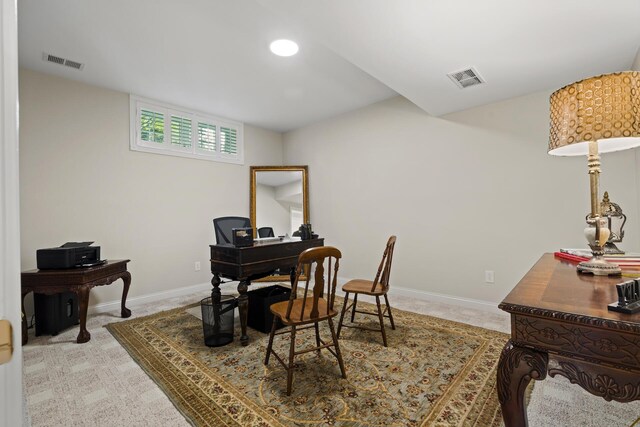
(213, 55)
(517, 46)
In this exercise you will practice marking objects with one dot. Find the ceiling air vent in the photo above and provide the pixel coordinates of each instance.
(62, 61)
(466, 78)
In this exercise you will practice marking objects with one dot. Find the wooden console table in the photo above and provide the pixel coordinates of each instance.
(80, 281)
(560, 325)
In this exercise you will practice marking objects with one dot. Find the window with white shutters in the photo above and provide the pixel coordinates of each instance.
(166, 129)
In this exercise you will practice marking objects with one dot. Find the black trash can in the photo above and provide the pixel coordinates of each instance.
(260, 300)
(217, 320)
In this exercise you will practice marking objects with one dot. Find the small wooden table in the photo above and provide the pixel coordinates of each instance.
(80, 281)
(560, 325)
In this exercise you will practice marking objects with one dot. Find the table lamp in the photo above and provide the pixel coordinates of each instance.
(596, 115)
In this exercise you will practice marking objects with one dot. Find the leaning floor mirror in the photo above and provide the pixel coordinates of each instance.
(279, 202)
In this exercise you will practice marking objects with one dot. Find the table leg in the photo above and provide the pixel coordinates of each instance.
(83, 301)
(516, 368)
(292, 275)
(243, 309)
(124, 311)
(215, 302)
(215, 292)
(25, 334)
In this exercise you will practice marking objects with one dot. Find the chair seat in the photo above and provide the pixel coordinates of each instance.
(361, 286)
(279, 309)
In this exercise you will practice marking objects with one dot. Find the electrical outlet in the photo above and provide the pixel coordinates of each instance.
(488, 276)
(197, 266)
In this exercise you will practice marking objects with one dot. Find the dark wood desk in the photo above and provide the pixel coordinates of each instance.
(251, 263)
(560, 325)
(80, 281)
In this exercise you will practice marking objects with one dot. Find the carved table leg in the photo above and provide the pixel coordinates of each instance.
(516, 368)
(124, 311)
(83, 300)
(25, 334)
(243, 309)
(215, 292)
(215, 302)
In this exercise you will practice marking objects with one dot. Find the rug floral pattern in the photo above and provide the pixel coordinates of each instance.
(433, 373)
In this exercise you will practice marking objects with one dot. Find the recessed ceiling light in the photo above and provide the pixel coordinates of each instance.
(284, 47)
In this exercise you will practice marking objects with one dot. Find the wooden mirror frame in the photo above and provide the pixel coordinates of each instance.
(252, 199)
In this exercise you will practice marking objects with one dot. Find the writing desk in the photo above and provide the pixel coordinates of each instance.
(560, 325)
(250, 263)
(80, 281)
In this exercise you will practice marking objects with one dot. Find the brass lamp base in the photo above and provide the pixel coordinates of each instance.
(596, 232)
(599, 267)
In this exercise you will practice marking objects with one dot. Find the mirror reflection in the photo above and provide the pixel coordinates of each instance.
(279, 203)
(279, 208)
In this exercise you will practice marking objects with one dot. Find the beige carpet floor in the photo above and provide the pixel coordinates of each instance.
(98, 384)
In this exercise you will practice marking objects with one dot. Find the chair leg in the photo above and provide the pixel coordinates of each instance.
(271, 335)
(344, 308)
(384, 335)
(292, 349)
(337, 346)
(386, 299)
(353, 310)
(317, 336)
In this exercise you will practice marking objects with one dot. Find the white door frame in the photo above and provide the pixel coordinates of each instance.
(10, 300)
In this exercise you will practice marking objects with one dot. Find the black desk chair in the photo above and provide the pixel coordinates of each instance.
(225, 224)
(265, 232)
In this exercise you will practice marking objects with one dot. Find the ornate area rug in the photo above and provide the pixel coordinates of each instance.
(435, 372)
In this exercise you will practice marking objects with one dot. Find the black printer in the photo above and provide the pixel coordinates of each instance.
(69, 255)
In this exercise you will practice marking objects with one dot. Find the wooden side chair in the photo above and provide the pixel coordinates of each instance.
(309, 309)
(379, 287)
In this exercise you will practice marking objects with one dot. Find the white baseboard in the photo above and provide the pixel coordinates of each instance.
(485, 306)
(143, 299)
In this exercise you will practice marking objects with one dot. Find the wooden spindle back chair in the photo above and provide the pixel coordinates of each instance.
(378, 287)
(309, 305)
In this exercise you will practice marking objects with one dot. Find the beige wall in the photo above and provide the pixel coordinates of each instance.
(79, 181)
(636, 62)
(464, 193)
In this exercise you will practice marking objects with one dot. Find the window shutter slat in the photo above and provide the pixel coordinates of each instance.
(207, 137)
(180, 131)
(228, 140)
(151, 126)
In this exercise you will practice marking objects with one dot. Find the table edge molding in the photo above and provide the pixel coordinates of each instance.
(597, 322)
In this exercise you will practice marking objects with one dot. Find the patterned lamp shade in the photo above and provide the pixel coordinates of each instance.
(604, 108)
